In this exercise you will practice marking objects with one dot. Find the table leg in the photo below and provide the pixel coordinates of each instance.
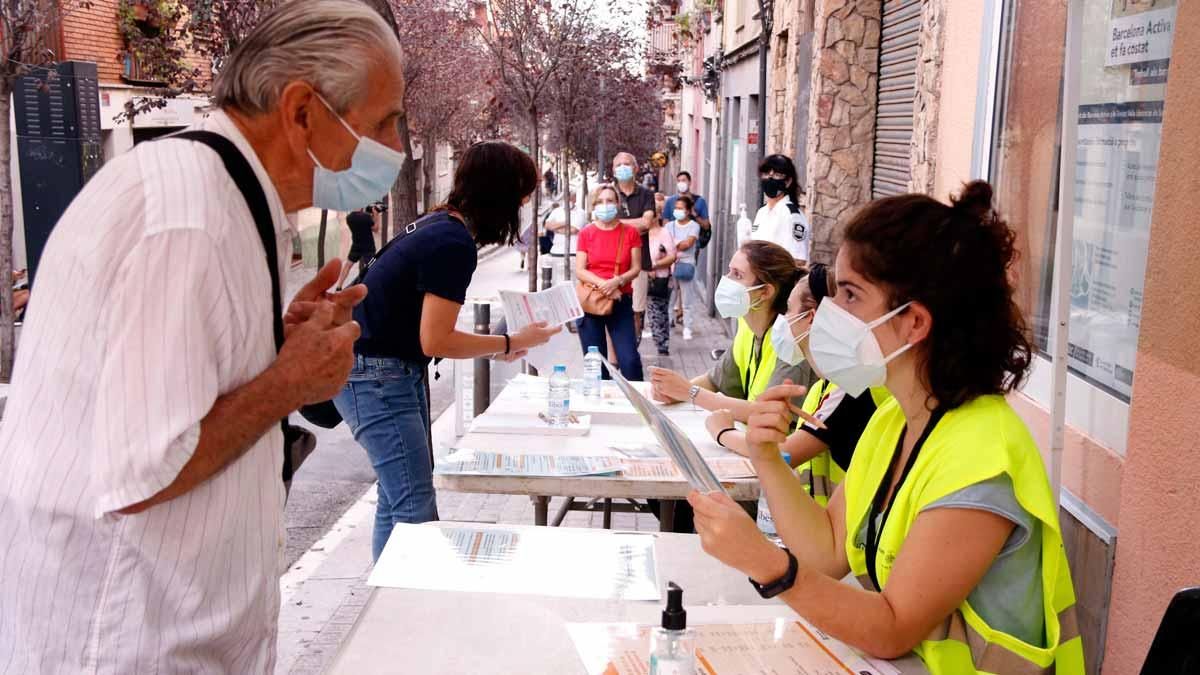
(608, 514)
(666, 515)
(483, 366)
(563, 511)
(541, 510)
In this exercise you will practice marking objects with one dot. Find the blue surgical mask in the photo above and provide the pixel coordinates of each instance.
(373, 170)
(623, 172)
(605, 213)
(680, 215)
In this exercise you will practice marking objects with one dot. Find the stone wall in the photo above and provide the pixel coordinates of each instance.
(844, 80)
(787, 81)
(923, 150)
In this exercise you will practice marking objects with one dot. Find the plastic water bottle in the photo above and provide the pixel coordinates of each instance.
(745, 226)
(592, 369)
(559, 406)
(766, 522)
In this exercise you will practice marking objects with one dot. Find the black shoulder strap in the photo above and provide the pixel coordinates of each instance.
(243, 176)
(408, 229)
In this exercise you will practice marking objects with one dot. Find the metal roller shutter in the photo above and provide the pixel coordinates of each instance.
(899, 33)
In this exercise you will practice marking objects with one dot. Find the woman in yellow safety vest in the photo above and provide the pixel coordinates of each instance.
(946, 516)
(820, 454)
(755, 292)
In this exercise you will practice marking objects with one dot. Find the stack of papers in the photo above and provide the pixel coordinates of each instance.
(785, 646)
(478, 463)
(561, 562)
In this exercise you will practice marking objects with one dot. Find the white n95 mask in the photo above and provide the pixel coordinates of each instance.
(732, 299)
(786, 345)
(845, 350)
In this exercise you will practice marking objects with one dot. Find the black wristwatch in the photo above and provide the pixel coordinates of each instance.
(782, 584)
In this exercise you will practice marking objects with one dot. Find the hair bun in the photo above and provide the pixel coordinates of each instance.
(975, 199)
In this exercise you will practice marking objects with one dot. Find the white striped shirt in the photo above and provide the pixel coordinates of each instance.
(152, 299)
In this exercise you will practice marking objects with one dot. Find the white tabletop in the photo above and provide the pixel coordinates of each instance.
(606, 431)
(435, 632)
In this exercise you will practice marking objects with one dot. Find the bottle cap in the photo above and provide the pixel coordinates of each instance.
(593, 349)
(787, 457)
(674, 617)
(560, 369)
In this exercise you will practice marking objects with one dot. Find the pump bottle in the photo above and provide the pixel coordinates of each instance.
(673, 646)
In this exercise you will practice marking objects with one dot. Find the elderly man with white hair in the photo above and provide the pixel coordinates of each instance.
(141, 506)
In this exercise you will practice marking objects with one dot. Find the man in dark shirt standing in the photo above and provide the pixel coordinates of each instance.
(637, 210)
(362, 240)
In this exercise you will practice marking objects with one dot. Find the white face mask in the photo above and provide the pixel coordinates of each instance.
(683, 186)
(786, 345)
(733, 299)
(844, 348)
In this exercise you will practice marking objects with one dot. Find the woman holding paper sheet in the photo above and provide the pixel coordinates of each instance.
(416, 286)
(755, 292)
(946, 515)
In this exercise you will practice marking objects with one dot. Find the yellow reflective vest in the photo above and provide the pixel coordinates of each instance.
(821, 475)
(756, 377)
(974, 442)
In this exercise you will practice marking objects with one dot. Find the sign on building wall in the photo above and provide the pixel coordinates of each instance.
(1121, 103)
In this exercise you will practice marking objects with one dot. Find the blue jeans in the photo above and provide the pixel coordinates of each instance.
(384, 404)
(624, 336)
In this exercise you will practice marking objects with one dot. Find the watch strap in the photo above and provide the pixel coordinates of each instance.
(782, 584)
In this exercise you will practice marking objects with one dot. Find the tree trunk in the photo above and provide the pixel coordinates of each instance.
(567, 208)
(7, 332)
(321, 239)
(404, 195)
(532, 247)
(429, 168)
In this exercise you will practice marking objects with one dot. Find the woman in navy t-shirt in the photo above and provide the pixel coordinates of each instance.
(416, 287)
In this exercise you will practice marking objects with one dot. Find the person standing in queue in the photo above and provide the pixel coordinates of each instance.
(820, 454)
(416, 286)
(362, 226)
(946, 515)
(755, 292)
(636, 208)
(780, 220)
(608, 259)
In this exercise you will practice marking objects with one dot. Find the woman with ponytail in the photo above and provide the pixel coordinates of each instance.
(946, 516)
(755, 293)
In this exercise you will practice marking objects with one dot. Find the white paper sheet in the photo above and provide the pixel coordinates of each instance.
(525, 425)
(555, 305)
(479, 463)
(785, 646)
(560, 562)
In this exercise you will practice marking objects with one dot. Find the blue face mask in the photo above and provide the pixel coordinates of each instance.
(623, 173)
(605, 213)
(373, 170)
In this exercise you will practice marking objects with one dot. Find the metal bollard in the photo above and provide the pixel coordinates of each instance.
(483, 366)
(547, 277)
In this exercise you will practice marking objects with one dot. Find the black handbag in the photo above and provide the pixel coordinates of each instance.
(660, 287)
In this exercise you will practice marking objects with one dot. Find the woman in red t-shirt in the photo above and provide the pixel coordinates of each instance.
(606, 255)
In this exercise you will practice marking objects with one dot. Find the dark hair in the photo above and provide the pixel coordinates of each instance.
(773, 264)
(819, 284)
(491, 181)
(681, 199)
(784, 165)
(978, 343)
(684, 173)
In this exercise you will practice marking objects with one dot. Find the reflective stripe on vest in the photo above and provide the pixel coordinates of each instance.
(975, 442)
(755, 376)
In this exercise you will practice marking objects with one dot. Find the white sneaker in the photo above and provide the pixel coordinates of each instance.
(687, 333)
(646, 333)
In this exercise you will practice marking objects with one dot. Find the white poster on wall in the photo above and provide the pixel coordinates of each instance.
(1120, 114)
